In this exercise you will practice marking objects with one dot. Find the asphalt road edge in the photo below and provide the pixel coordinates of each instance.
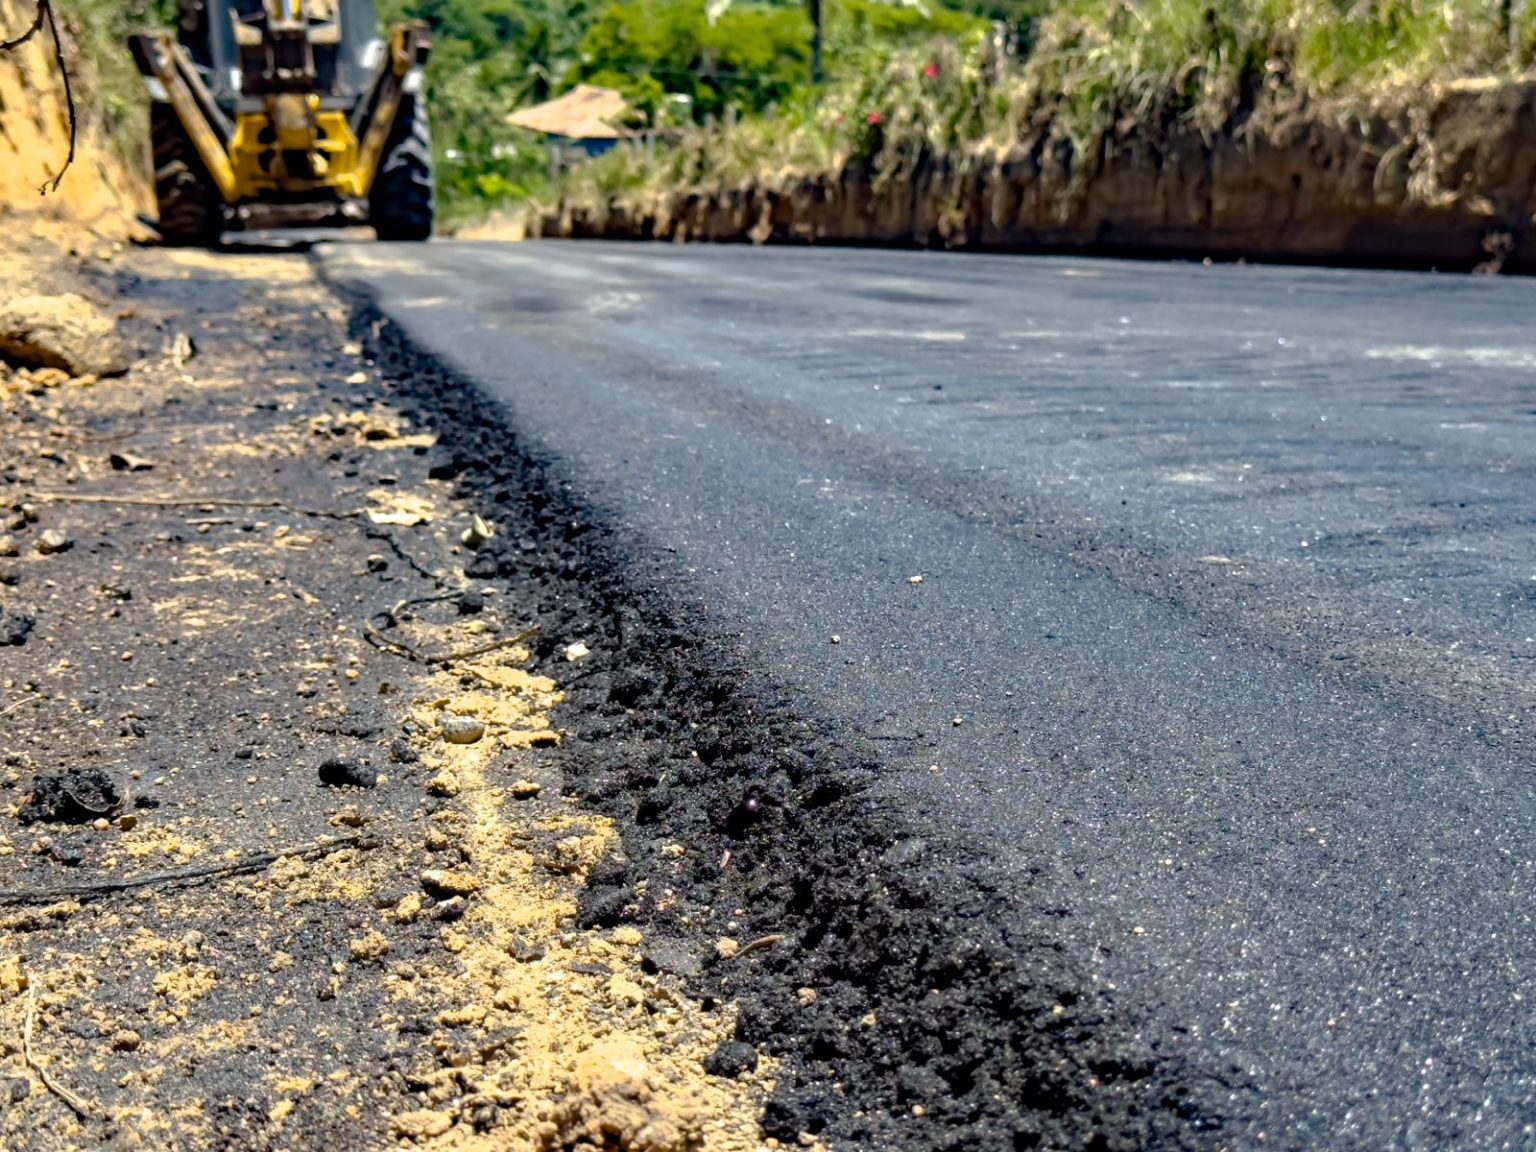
(867, 956)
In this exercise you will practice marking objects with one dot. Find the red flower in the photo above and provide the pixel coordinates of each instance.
(873, 118)
(931, 71)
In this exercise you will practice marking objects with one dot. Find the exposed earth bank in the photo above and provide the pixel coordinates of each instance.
(105, 185)
(1447, 180)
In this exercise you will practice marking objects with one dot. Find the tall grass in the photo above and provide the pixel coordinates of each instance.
(1093, 66)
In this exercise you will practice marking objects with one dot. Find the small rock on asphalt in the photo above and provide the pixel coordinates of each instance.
(443, 883)
(52, 541)
(66, 332)
(15, 627)
(673, 957)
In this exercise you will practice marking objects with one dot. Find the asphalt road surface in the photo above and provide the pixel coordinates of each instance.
(1226, 623)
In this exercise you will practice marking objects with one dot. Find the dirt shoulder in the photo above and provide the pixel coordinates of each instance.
(285, 856)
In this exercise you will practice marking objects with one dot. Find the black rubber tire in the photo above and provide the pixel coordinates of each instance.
(191, 209)
(404, 195)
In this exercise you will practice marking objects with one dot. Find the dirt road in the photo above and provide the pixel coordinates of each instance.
(285, 853)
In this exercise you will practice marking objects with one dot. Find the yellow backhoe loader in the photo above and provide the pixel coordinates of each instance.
(267, 113)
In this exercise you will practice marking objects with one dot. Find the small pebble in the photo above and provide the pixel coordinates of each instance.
(51, 541)
(450, 909)
(525, 789)
(461, 729)
(126, 1040)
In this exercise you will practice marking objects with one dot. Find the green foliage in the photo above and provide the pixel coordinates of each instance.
(754, 55)
(482, 161)
(1097, 61)
(488, 58)
(109, 92)
(493, 56)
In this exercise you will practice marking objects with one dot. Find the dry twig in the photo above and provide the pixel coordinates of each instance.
(256, 863)
(757, 945)
(400, 648)
(378, 639)
(80, 1107)
(6, 711)
(197, 502)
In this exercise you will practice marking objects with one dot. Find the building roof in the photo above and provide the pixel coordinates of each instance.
(585, 112)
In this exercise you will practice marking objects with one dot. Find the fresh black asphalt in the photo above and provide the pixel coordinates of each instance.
(1225, 631)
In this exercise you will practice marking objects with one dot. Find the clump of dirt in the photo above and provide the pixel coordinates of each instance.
(65, 331)
(74, 797)
(614, 1102)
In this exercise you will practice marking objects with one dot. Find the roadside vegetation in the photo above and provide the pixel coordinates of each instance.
(1085, 68)
(728, 95)
(680, 69)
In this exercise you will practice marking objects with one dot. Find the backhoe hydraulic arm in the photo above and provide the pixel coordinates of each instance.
(287, 104)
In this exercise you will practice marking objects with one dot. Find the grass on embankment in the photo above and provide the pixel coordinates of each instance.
(1094, 66)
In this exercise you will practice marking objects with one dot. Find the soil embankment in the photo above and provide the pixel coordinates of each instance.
(103, 188)
(1444, 179)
